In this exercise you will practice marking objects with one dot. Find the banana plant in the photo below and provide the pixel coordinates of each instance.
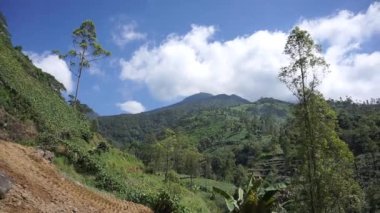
(257, 198)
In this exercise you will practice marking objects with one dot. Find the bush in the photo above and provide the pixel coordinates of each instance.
(173, 176)
(166, 203)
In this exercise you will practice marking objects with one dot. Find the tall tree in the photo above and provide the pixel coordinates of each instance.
(169, 144)
(192, 165)
(325, 174)
(86, 50)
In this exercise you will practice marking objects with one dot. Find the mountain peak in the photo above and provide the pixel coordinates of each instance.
(208, 100)
(233, 97)
(270, 100)
(197, 97)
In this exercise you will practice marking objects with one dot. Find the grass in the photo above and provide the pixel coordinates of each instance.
(144, 184)
(68, 170)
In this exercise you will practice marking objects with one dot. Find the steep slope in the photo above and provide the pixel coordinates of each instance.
(39, 187)
(27, 93)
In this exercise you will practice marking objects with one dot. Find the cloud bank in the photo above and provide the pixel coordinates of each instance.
(184, 65)
(132, 107)
(354, 72)
(248, 65)
(55, 66)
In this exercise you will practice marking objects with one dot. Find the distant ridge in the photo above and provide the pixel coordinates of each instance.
(204, 101)
(200, 97)
(270, 100)
(202, 112)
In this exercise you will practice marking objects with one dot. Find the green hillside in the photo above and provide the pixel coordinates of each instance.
(199, 116)
(228, 134)
(29, 94)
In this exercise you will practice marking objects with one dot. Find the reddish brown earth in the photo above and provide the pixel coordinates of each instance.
(39, 187)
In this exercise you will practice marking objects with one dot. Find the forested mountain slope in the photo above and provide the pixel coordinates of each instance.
(201, 114)
(224, 135)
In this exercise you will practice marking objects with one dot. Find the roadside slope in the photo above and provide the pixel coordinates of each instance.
(39, 187)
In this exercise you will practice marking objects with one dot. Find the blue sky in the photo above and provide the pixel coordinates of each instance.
(163, 51)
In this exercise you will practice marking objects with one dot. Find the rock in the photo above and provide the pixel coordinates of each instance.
(24, 196)
(49, 155)
(46, 154)
(5, 185)
(40, 153)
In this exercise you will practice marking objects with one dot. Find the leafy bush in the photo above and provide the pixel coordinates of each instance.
(168, 203)
(173, 176)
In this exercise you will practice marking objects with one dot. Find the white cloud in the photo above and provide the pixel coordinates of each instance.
(358, 76)
(249, 65)
(126, 33)
(345, 29)
(55, 66)
(354, 73)
(132, 107)
(184, 65)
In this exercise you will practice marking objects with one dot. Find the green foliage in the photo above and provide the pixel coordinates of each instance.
(220, 137)
(301, 76)
(168, 203)
(221, 123)
(4, 28)
(258, 197)
(359, 127)
(29, 94)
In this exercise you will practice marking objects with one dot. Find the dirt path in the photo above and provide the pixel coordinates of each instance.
(39, 187)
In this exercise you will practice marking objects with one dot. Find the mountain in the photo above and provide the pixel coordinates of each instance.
(207, 110)
(226, 133)
(202, 101)
(221, 100)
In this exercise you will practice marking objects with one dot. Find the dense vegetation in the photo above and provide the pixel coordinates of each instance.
(225, 139)
(233, 141)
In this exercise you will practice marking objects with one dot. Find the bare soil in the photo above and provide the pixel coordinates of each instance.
(39, 187)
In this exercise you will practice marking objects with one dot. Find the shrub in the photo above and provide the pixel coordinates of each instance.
(168, 203)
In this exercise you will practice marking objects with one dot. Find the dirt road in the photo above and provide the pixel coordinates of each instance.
(39, 187)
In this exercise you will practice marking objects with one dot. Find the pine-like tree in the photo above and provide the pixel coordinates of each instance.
(86, 50)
